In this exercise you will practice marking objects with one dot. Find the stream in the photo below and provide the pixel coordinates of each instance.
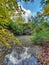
(24, 58)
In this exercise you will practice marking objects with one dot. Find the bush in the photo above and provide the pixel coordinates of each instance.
(27, 28)
(17, 28)
(38, 38)
(21, 28)
(7, 39)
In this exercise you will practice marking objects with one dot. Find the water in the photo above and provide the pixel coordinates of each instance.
(25, 58)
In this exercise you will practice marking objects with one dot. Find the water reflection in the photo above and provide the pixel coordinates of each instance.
(24, 58)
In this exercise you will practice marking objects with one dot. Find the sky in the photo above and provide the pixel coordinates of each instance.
(32, 7)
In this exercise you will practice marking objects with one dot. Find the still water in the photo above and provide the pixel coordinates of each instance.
(24, 58)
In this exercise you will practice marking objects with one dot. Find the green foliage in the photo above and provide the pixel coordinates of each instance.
(38, 37)
(45, 5)
(41, 32)
(17, 26)
(6, 8)
(7, 38)
(21, 27)
(27, 28)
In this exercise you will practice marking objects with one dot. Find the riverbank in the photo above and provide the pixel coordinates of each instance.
(43, 57)
(40, 52)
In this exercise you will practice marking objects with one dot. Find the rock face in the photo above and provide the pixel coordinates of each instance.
(23, 58)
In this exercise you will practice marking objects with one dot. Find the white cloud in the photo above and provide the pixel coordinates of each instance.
(27, 15)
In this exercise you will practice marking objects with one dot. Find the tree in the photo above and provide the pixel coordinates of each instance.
(6, 8)
(45, 5)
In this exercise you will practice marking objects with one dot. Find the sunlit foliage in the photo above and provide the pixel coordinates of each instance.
(7, 8)
(7, 38)
(45, 6)
(40, 32)
(46, 10)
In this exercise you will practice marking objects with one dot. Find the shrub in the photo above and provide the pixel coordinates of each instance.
(7, 39)
(17, 28)
(38, 38)
(21, 28)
